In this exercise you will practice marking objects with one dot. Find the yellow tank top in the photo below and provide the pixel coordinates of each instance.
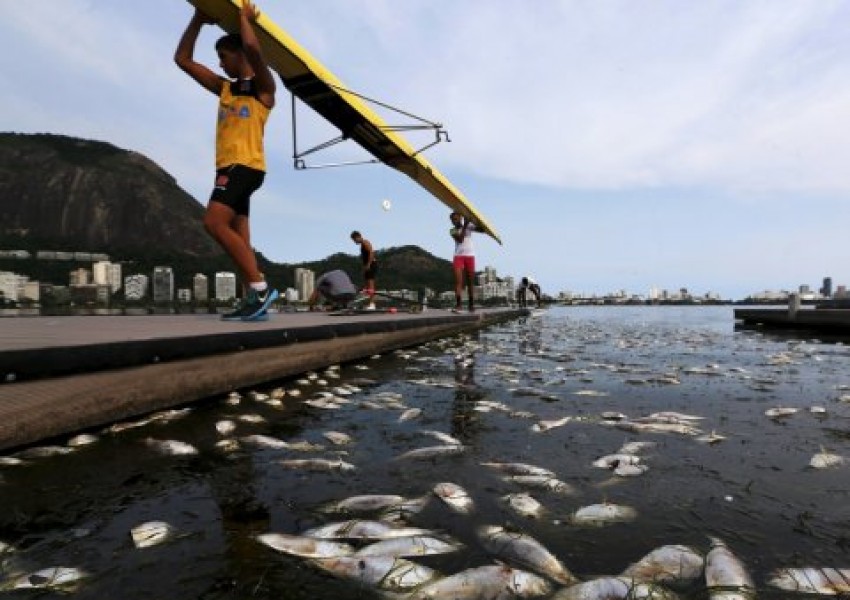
(241, 121)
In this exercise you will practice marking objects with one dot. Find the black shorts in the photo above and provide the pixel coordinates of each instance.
(370, 271)
(234, 186)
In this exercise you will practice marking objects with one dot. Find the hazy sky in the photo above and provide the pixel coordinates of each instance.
(612, 143)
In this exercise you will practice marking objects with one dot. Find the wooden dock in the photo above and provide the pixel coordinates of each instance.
(66, 374)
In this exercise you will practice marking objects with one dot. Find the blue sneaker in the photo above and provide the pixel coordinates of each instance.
(258, 303)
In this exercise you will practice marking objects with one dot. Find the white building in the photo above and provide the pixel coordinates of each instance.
(10, 285)
(305, 283)
(135, 287)
(225, 286)
(163, 285)
(107, 273)
(184, 295)
(201, 287)
(79, 277)
(290, 295)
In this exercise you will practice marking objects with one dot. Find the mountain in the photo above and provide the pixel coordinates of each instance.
(61, 192)
(65, 193)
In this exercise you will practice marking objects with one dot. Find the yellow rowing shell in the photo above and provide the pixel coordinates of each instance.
(317, 87)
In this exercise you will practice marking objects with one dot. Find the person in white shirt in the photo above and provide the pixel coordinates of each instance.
(464, 258)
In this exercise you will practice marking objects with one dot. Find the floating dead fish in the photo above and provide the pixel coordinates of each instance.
(43, 452)
(630, 470)
(542, 426)
(325, 403)
(672, 416)
(307, 547)
(337, 438)
(590, 393)
(668, 564)
(455, 497)
(518, 469)
(635, 447)
(386, 573)
(725, 575)
(658, 428)
(825, 460)
(403, 512)
(225, 427)
(84, 439)
(780, 411)
(493, 582)
(409, 414)
(524, 505)
(318, 464)
(612, 461)
(304, 446)
(614, 588)
(410, 547)
(227, 445)
(523, 550)
(357, 529)
(10, 461)
(50, 578)
(711, 438)
(265, 441)
(542, 482)
(811, 580)
(151, 533)
(252, 418)
(171, 447)
(817, 410)
(431, 452)
(599, 515)
(443, 437)
(613, 416)
(363, 504)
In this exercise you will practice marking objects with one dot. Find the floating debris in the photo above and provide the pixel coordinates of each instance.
(151, 533)
(337, 438)
(225, 427)
(84, 439)
(171, 447)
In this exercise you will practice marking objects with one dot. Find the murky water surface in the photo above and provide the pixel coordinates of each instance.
(754, 489)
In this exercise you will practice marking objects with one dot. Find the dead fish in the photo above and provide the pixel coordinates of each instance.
(667, 564)
(543, 482)
(817, 410)
(227, 445)
(614, 588)
(52, 577)
(658, 428)
(493, 582)
(542, 426)
(43, 452)
(443, 437)
(225, 427)
(10, 461)
(304, 446)
(779, 411)
(590, 393)
(171, 447)
(337, 438)
(455, 497)
(725, 575)
(265, 441)
(612, 461)
(325, 403)
(357, 529)
(410, 546)
(363, 504)
(431, 452)
(711, 438)
(672, 416)
(524, 505)
(84, 439)
(825, 460)
(386, 573)
(633, 470)
(409, 414)
(252, 418)
(598, 515)
(518, 469)
(635, 447)
(318, 464)
(811, 580)
(151, 533)
(403, 511)
(525, 551)
(307, 547)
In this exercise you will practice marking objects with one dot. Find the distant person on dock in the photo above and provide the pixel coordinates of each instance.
(464, 259)
(370, 266)
(335, 288)
(527, 284)
(246, 98)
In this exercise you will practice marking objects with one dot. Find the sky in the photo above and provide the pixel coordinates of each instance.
(613, 144)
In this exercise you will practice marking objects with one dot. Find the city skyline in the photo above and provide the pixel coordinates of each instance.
(643, 145)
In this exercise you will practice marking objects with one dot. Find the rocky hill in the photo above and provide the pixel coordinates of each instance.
(64, 193)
